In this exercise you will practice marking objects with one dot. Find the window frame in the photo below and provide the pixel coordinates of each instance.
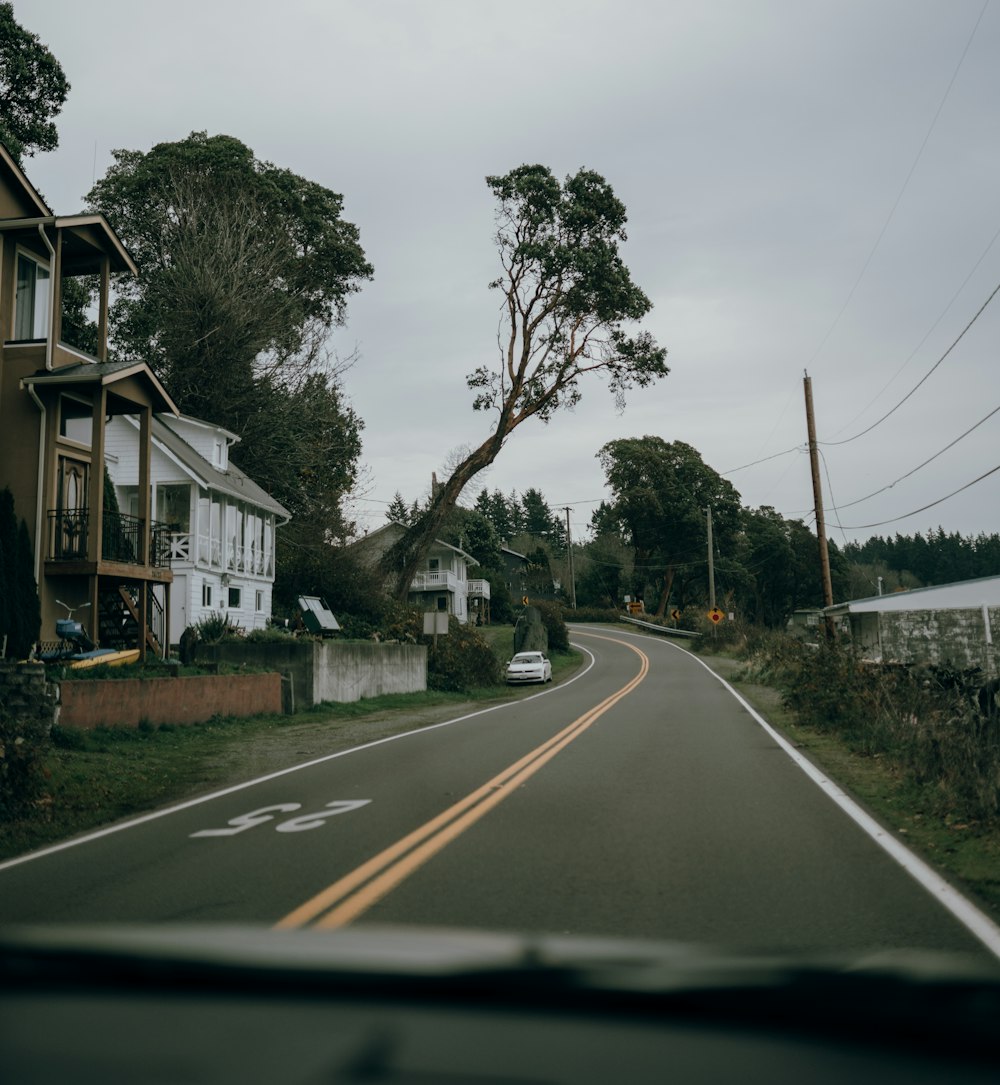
(20, 252)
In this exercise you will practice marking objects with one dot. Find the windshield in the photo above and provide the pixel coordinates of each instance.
(265, 382)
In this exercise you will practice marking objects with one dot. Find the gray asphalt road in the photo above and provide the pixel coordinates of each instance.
(640, 799)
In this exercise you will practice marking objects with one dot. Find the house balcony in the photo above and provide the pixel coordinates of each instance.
(436, 580)
(36, 351)
(479, 589)
(122, 545)
(211, 554)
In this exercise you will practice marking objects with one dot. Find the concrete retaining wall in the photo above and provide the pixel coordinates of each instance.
(330, 670)
(125, 702)
(348, 672)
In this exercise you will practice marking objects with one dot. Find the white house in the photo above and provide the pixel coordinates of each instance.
(443, 583)
(220, 525)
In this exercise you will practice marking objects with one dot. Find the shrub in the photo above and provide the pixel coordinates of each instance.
(926, 724)
(23, 743)
(462, 661)
(593, 614)
(216, 628)
(266, 636)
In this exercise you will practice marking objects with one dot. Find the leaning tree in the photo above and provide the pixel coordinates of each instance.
(567, 299)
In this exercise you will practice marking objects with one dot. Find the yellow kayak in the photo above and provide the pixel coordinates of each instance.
(110, 659)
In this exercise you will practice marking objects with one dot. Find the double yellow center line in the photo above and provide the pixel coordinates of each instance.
(355, 893)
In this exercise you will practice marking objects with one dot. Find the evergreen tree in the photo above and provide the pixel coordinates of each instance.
(28, 606)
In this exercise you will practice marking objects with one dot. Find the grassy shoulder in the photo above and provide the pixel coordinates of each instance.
(93, 778)
(965, 851)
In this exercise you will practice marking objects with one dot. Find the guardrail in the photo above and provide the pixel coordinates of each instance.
(661, 628)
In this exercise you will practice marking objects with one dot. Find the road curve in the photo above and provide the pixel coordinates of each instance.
(640, 799)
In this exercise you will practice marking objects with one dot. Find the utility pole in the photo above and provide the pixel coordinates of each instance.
(572, 573)
(824, 555)
(711, 561)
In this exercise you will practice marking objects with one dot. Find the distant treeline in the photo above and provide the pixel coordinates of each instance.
(935, 558)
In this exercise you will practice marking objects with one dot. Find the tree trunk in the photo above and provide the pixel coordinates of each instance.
(668, 583)
(403, 560)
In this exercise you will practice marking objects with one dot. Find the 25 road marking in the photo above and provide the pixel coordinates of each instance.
(301, 824)
(355, 893)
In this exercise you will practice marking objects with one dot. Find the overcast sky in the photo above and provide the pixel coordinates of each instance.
(810, 185)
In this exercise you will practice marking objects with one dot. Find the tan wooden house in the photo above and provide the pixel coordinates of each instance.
(56, 400)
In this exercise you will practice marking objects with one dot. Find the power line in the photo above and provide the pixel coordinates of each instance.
(906, 182)
(913, 471)
(927, 334)
(979, 313)
(733, 470)
(896, 519)
(833, 500)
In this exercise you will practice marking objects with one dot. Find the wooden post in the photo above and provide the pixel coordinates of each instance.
(824, 554)
(572, 571)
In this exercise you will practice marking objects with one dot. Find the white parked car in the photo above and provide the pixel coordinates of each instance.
(529, 667)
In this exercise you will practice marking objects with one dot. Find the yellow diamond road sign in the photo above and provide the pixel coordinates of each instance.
(715, 615)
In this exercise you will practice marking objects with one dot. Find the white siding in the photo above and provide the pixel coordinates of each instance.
(190, 575)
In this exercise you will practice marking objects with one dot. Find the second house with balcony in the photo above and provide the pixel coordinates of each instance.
(443, 583)
(218, 525)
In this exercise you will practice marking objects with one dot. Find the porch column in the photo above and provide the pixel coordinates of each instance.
(102, 313)
(55, 285)
(145, 496)
(143, 609)
(95, 502)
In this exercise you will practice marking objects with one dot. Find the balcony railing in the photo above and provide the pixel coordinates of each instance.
(121, 541)
(226, 557)
(435, 580)
(479, 589)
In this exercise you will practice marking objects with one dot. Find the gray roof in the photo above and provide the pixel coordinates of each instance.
(105, 373)
(961, 595)
(232, 482)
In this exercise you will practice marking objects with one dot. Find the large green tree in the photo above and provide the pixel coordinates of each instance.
(660, 491)
(567, 302)
(33, 89)
(244, 268)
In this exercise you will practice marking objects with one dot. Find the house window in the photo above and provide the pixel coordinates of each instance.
(235, 598)
(76, 420)
(128, 499)
(442, 602)
(260, 601)
(433, 564)
(173, 506)
(206, 594)
(31, 305)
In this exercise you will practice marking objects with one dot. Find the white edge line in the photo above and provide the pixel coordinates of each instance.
(974, 920)
(154, 814)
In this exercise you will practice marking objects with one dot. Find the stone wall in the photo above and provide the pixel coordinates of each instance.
(25, 694)
(948, 638)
